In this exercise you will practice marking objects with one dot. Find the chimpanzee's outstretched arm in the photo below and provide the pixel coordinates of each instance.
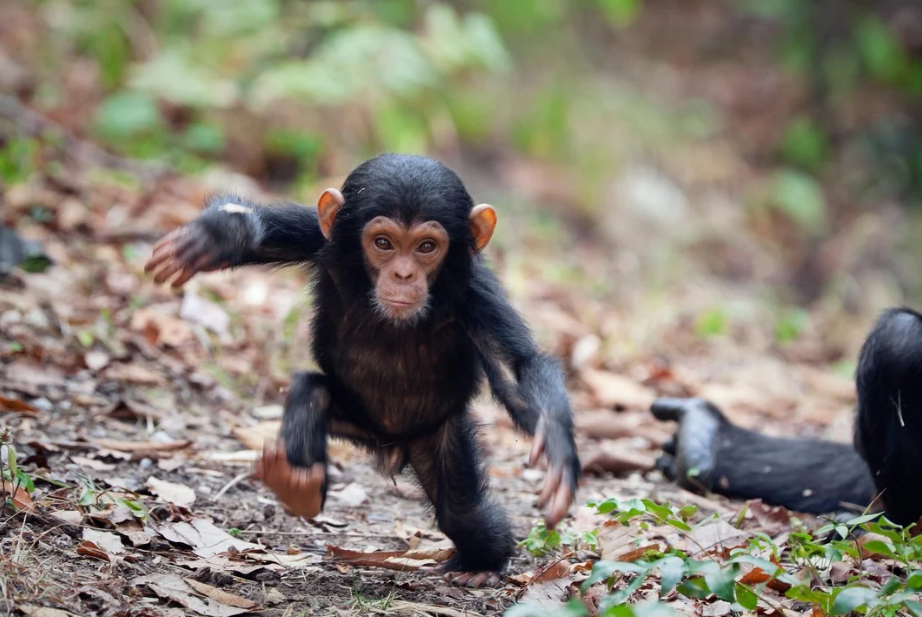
(536, 396)
(233, 232)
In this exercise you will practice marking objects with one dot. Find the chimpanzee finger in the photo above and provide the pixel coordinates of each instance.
(162, 251)
(167, 272)
(189, 271)
(666, 408)
(552, 481)
(537, 447)
(563, 498)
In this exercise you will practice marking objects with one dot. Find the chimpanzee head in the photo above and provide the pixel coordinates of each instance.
(405, 230)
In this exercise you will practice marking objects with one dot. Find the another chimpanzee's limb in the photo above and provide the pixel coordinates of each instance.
(805, 475)
(537, 399)
(233, 232)
(449, 468)
(888, 427)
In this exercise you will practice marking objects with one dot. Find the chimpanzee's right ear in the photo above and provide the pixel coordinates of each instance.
(327, 208)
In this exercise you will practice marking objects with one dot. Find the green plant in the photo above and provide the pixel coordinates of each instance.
(741, 576)
(11, 475)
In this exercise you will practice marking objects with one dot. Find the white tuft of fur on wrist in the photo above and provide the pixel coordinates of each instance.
(235, 209)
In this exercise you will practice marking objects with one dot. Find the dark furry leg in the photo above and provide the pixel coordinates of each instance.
(450, 469)
(888, 426)
(807, 475)
(296, 470)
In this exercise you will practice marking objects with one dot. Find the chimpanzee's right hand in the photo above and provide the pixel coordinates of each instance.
(218, 239)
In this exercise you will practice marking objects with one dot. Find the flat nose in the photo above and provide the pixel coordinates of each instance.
(404, 270)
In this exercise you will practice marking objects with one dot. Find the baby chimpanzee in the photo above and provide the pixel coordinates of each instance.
(408, 319)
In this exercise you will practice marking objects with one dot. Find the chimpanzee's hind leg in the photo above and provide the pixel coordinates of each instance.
(449, 466)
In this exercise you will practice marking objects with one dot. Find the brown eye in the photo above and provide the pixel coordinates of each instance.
(383, 243)
(426, 247)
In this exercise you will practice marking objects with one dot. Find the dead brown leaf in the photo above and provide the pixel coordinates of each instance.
(617, 392)
(392, 560)
(219, 595)
(134, 373)
(177, 494)
(617, 459)
(717, 535)
(20, 498)
(254, 437)
(89, 549)
(141, 448)
(92, 463)
(27, 373)
(43, 611)
(13, 405)
(174, 588)
(205, 539)
(158, 328)
(104, 540)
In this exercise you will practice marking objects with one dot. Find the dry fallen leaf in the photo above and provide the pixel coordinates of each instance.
(71, 517)
(717, 534)
(616, 459)
(174, 588)
(219, 595)
(205, 539)
(108, 542)
(20, 497)
(161, 329)
(617, 392)
(254, 437)
(26, 373)
(43, 611)
(141, 448)
(177, 494)
(392, 560)
(13, 405)
(92, 463)
(89, 549)
(133, 373)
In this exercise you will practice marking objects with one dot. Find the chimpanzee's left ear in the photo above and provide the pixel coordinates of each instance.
(327, 208)
(483, 222)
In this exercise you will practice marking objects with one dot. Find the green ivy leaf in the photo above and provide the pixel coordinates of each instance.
(747, 598)
(672, 569)
(723, 583)
(914, 607)
(879, 547)
(850, 598)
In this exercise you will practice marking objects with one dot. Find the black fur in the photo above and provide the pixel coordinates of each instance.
(888, 427)
(811, 475)
(805, 475)
(404, 390)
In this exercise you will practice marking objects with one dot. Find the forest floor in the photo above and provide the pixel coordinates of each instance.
(138, 411)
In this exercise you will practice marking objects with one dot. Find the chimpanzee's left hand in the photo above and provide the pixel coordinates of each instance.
(556, 443)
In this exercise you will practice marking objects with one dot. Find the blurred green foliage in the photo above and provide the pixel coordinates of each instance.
(272, 85)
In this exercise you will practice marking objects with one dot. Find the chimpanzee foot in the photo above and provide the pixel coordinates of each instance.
(475, 580)
(689, 459)
(298, 489)
(453, 572)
